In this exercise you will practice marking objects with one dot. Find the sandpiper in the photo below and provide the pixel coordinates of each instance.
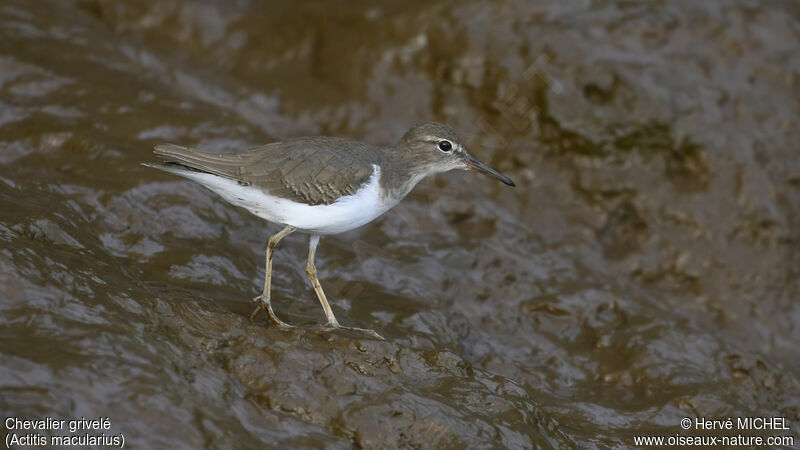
(322, 185)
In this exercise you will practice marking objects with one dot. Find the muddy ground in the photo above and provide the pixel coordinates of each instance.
(644, 269)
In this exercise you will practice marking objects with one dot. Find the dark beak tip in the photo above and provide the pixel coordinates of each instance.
(475, 164)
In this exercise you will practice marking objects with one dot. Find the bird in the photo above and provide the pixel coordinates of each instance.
(321, 186)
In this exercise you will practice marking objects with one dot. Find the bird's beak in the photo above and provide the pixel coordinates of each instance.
(474, 164)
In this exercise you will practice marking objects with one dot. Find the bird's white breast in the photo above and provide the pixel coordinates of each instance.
(344, 214)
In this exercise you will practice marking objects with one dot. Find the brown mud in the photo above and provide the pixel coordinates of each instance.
(644, 269)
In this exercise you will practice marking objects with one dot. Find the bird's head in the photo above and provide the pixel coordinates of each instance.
(435, 148)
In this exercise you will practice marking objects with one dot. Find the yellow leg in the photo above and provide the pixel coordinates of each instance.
(263, 299)
(311, 271)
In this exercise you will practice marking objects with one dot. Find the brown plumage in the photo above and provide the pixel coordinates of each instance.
(312, 170)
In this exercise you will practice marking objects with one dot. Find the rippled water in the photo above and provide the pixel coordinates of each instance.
(645, 268)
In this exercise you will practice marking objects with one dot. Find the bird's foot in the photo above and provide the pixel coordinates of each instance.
(335, 326)
(264, 305)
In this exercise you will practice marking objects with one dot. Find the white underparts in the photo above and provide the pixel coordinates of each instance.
(344, 214)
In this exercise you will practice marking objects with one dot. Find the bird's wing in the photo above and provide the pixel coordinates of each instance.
(316, 172)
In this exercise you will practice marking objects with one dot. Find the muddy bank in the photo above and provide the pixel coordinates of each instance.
(644, 269)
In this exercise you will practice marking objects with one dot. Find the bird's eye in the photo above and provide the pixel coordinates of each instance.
(445, 146)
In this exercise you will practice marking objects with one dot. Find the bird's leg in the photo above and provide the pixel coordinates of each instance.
(311, 271)
(263, 299)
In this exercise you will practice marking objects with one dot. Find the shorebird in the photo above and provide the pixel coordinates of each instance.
(321, 186)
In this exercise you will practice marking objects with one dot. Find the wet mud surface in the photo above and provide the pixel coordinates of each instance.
(644, 269)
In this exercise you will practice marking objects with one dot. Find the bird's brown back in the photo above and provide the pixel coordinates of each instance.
(312, 170)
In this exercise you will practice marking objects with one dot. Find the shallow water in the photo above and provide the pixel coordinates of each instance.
(645, 269)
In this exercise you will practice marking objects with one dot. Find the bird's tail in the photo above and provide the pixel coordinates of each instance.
(218, 164)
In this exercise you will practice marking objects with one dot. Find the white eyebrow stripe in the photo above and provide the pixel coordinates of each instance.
(436, 140)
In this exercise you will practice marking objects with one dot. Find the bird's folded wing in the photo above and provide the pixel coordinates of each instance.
(316, 172)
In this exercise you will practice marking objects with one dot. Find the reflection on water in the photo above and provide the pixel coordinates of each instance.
(644, 269)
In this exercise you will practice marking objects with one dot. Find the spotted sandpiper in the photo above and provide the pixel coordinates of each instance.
(322, 185)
